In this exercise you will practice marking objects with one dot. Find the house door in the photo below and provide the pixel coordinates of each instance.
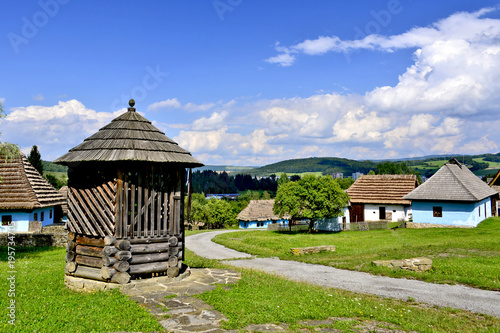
(381, 213)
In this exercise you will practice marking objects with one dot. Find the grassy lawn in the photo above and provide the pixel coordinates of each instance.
(493, 165)
(260, 298)
(43, 304)
(465, 256)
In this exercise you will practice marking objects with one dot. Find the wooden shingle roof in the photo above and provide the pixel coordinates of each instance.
(452, 182)
(259, 210)
(495, 182)
(22, 187)
(129, 137)
(382, 189)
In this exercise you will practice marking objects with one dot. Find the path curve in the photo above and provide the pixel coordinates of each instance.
(455, 296)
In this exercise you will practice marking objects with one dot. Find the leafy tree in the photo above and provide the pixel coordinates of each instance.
(392, 168)
(372, 172)
(344, 183)
(55, 181)
(283, 179)
(266, 195)
(35, 159)
(294, 178)
(312, 198)
(220, 214)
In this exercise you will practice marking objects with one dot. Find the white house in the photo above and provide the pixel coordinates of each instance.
(452, 196)
(380, 197)
(25, 196)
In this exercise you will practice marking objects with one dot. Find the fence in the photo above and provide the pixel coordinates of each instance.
(362, 226)
(286, 227)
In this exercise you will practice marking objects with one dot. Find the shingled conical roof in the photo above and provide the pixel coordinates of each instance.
(22, 187)
(129, 137)
(452, 182)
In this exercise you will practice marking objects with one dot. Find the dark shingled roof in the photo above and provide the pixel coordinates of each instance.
(22, 187)
(382, 189)
(129, 137)
(259, 210)
(452, 182)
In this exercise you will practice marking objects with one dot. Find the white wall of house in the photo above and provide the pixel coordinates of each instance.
(372, 212)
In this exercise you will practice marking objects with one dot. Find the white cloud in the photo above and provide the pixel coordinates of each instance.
(215, 121)
(482, 145)
(356, 125)
(38, 97)
(171, 103)
(191, 107)
(55, 129)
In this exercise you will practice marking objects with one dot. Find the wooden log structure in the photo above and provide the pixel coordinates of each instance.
(109, 240)
(121, 265)
(107, 272)
(148, 257)
(92, 251)
(89, 241)
(89, 273)
(121, 278)
(149, 248)
(153, 267)
(70, 256)
(110, 250)
(109, 261)
(88, 261)
(123, 245)
(123, 255)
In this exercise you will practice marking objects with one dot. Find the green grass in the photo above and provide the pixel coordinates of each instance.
(493, 165)
(58, 174)
(466, 256)
(260, 298)
(44, 304)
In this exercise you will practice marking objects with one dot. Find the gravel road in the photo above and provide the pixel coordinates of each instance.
(443, 295)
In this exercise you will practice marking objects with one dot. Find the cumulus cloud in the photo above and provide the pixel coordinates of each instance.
(172, 103)
(55, 129)
(38, 97)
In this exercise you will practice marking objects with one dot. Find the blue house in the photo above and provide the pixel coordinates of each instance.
(26, 198)
(258, 214)
(452, 196)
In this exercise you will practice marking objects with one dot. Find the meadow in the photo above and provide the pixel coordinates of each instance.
(465, 256)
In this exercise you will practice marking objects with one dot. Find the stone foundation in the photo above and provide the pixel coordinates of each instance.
(313, 249)
(53, 235)
(412, 225)
(414, 264)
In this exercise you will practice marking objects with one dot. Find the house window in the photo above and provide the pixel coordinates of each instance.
(41, 216)
(6, 219)
(485, 210)
(479, 211)
(437, 211)
(35, 217)
(50, 214)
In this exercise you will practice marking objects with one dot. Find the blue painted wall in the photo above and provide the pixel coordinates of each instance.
(454, 213)
(258, 224)
(20, 219)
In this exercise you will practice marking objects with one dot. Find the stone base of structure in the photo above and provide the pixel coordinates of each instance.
(413, 225)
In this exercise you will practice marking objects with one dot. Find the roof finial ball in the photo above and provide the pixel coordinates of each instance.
(131, 103)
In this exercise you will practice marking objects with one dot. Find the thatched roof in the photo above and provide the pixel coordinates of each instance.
(259, 210)
(452, 182)
(22, 187)
(129, 137)
(382, 189)
(494, 183)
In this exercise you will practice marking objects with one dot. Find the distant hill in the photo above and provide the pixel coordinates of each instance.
(325, 165)
(227, 168)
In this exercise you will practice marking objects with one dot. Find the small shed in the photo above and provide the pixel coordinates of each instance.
(452, 196)
(380, 197)
(126, 202)
(258, 214)
(27, 201)
(494, 183)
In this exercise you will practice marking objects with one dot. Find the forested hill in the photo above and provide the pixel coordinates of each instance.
(325, 165)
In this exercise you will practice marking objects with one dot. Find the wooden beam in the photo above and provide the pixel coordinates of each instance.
(149, 248)
(91, 251)
(89, 273)
(88, 261)
(89, 241)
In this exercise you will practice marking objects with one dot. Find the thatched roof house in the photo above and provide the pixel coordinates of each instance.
(452, 196)
(259, 213)
(25, 195)
(372, 197)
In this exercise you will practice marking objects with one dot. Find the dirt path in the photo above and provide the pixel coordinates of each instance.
(455, 296)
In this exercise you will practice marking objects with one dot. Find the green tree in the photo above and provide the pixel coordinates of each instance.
(392, 168)
(283, 179)
(35, 159)
(220, 214)
(266, 195)
(312, 198)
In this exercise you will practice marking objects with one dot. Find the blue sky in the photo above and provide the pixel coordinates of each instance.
(254, 82)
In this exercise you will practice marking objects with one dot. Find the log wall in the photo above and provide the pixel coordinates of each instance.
(120, 260)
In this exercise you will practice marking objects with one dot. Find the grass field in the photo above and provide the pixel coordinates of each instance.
(62, 175)
(43, 304)
(466, 256)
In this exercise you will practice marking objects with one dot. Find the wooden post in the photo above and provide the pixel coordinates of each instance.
(189, 196)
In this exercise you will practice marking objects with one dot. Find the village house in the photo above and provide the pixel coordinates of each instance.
(258, 214)
(380, 197)
(27, 201)
(494, 183)
(452, 196)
